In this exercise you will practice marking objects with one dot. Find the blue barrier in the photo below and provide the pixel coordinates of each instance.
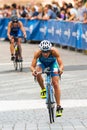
(59, 32)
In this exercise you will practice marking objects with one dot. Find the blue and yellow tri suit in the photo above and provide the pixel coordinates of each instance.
(49, 62)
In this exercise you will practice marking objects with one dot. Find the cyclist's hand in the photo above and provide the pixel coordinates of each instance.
(25, 36)
(34, 73)
(9, 37)
(60, 71)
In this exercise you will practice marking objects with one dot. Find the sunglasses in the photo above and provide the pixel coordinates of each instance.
(15, 21)
(45, 51)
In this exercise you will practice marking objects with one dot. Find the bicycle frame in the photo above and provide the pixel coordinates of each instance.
(50, 100)
(17, 63)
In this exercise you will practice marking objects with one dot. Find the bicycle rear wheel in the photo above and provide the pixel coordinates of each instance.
(15, 64)
(20, 66)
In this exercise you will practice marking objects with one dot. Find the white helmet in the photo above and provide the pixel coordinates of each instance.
(45, 45)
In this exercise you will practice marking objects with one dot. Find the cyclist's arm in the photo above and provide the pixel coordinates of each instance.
(9, 30)
(34, 61)
(58, 58)
(22, 28)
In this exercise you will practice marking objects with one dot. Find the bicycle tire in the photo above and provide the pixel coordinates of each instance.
(20, 62)
(15, 64)
(50, 107)
(20, 66)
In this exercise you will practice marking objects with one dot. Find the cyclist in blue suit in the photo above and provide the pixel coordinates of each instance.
(48, 56)
(14, 30)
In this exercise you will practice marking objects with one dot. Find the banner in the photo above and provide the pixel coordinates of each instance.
(72, 34)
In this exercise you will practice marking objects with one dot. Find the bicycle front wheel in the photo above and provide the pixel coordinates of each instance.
(50, 106)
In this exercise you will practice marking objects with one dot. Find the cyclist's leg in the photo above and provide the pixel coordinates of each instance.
(40, 80)
(20, 48)
(55, 82)
(56, 85)
(12, 48)
(59, 109)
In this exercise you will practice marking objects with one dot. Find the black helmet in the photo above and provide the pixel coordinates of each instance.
(14, 18)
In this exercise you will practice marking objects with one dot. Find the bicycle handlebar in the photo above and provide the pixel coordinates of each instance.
(47, 71)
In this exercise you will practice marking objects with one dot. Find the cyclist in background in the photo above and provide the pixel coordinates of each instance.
(48, 56)
(14, 30)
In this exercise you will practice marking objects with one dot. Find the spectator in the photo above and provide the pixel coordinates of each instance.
(62, 15)
(64, 6)
(1, 12)
(24, 12)
(28, 8)
(33, 13)
(49, 13)
(7, 11)
(81, 9)
(86, 6)
(85, 17)
(56, 8)
(40, 12)
(73, 13)
(14, 10)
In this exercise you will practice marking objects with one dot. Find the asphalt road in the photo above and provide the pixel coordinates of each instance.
(20, 103)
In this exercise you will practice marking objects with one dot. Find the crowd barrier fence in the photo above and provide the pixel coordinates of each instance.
(71, 34)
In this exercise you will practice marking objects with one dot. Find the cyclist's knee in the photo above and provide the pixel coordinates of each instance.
(19, 44)
(39, 76)
(12, 41)
(19, 40)
(55, 83)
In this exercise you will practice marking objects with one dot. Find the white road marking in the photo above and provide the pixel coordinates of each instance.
(38, 104)
(10, 63)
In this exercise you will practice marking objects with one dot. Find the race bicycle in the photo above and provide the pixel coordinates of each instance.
(50, 99)
(18, 64)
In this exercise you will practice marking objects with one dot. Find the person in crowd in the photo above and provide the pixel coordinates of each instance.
(24, 12)
(73, 13)
(48, 13)
(48, 56)
(33, 13)
(85, 17)
(1, 12)
(14, 30)
(64, 6)
(7, 11)
(56, 8)
(81, 9)
(14, 10)
(39, 14)
(62, 15)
